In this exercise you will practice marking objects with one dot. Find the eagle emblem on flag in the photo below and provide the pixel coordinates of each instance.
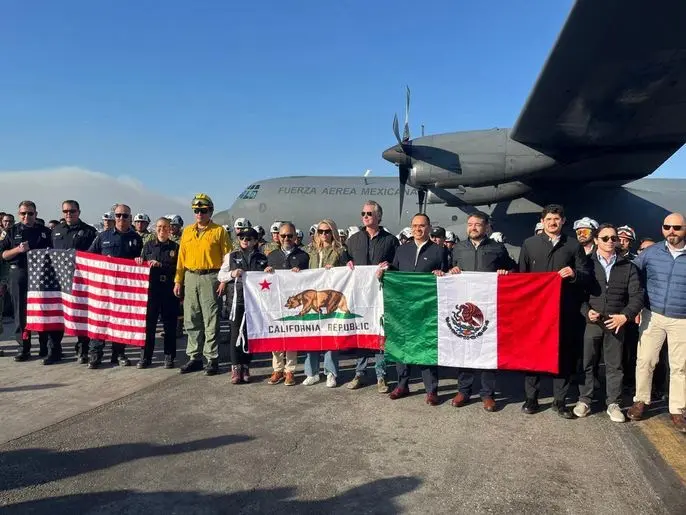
(467, 321)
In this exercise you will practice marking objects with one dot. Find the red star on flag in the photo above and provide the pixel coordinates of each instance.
(265, 285)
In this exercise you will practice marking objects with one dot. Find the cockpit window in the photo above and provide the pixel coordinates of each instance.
(250, 193)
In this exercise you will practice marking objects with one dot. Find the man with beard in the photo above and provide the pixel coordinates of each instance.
(627, 237)
(664, 269)
(585, 230)
(479, 253)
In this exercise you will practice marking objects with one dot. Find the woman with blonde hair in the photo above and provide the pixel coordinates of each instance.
(326, 251)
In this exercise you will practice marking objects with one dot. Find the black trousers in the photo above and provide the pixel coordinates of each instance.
(595, 338)
(465, 382)
(238, 356)
(161, 303)
(429, 376)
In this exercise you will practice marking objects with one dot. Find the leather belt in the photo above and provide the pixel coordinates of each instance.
(203, 272)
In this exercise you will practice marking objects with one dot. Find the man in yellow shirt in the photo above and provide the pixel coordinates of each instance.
(202, 248)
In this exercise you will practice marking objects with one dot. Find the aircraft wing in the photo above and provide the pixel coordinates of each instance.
(615, 79)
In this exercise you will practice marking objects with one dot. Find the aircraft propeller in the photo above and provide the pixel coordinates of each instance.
(404, 147)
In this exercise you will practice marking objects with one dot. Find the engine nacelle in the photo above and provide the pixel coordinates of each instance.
(482, 196)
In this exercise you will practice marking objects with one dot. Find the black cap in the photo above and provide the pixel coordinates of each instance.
(249, 233)
(438, 232)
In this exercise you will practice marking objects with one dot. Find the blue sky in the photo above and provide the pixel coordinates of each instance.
(221, 93)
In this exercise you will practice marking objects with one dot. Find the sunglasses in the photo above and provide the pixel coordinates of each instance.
(122, 215)
(287, 236)
(246, 238)
(70, 211)
(27, 213)
(665, 227)
(323, 231)
(367, 213)
(609, 238)
(201, 210)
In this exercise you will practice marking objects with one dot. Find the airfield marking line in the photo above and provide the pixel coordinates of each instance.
(670, 444)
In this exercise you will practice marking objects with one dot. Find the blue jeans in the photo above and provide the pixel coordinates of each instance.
(363, 356)
(312, 363)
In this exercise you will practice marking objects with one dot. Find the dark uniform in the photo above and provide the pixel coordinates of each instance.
(161, 299)
(488, 256)
(38, 237)
(79, 236)
(127, 245)
(429, 258)
(248, 262)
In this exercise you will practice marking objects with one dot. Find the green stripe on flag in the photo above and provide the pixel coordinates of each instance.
(411, 317)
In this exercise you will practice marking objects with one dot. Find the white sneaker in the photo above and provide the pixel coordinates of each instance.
(615, 413)
(331, 380)
(309, 381)
(581, 409)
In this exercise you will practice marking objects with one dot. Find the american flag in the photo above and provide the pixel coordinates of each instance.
(87, 294)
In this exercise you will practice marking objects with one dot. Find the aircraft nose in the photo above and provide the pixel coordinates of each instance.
(396, 156)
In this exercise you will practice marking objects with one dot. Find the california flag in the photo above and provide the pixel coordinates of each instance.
(473, 320)
(313, 310)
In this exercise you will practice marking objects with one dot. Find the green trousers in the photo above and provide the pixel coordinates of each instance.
(201, 315)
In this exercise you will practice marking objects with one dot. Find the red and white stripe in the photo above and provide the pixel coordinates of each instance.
(108, 301)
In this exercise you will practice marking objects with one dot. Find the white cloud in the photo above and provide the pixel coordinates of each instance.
(95, 192)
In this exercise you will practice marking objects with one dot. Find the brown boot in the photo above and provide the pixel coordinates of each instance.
(459, 400)
(635, 412)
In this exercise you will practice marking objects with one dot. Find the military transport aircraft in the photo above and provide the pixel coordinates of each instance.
(608, 108)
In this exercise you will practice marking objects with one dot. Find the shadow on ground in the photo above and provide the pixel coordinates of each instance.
(376, 497)
(30, 467)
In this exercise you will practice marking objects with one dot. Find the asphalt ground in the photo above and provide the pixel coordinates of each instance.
(122, 440)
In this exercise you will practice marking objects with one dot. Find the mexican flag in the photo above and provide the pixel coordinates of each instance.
(473, 320)
(313, 310)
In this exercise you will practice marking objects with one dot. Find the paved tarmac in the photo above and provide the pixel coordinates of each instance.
(152, 441)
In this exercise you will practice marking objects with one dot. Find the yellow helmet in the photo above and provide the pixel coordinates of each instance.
(202, 200)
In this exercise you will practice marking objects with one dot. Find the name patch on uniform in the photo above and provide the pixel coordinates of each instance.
(172, 253)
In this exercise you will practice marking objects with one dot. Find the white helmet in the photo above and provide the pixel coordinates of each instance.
(141, 217)
(313, 229)
(275, 227)
(450, 236)
(299, 234)
(176, 220)
(260, 230)
(352, 230)
(342, 233)
(407, 232)
(227, 228)
(498, 236)
(108, 216)
(241, 223)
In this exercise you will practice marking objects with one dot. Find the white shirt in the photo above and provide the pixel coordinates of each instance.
(674, 251)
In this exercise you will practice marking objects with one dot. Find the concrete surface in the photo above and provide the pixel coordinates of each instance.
(192, 444)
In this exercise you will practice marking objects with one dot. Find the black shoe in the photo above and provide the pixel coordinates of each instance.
(52, 359)
(168, 362)
(530, 406)
(192, 365)
(22, 357)
(82, 360)
(212, 367)
(93, 363)
(562, 410)
(144, 363)
(124, 361)
(42, 353)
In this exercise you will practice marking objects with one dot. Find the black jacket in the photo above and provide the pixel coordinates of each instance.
(431, 257)
(240, 260)
(167, 254)
(365, 251)
(297, 258)
(79, 236)
(538, 255)
(489, 256)
(621, 294)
